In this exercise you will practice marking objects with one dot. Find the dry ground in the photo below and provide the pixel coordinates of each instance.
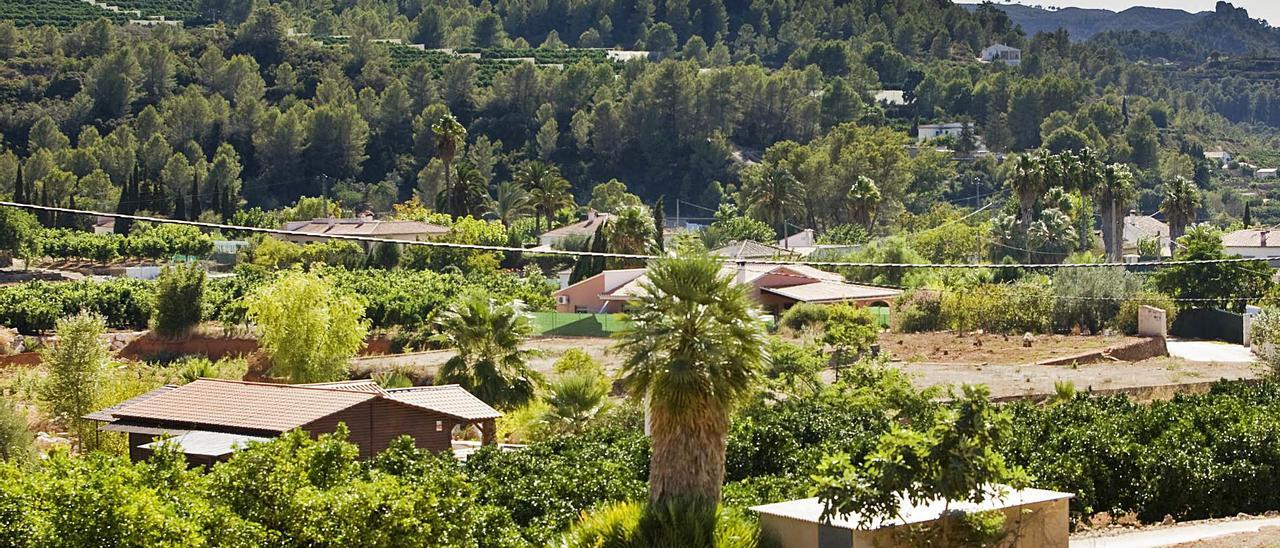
(1000, 364)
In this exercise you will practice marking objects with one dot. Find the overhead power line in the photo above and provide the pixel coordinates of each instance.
(568, 253)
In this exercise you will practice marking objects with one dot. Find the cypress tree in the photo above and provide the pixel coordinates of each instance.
(19, 187)
(1248, 216)
(195, 196)
(587, 267)
(659, 225)
(128, 203)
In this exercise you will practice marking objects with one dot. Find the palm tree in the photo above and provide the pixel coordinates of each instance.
(691, 354)
(510, 203)
(1029, 181)
(548, 190)
(449, 138)
(465, 194)
(1114, 194)
(1181, 198)
(631, 232)
(575, 398)
(771, 193)
(487, 337)
(863, 197)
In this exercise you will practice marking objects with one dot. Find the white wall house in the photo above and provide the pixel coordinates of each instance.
(1222, 157)
(934, 131)
(1000, 53)
(1252, 242)
(1269, 173)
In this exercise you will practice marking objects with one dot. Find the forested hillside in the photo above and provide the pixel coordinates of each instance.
(1083, 23)
(298, 98)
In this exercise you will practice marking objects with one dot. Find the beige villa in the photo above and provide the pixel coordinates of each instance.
(775, 287)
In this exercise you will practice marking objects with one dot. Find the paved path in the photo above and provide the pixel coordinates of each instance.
(1177, 534)
(1210, 351)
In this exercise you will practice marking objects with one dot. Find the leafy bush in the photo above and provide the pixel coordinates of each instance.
(34, 307)
(805, 315)
(15, 439)
(1000, 308)
(179, 294)
(1126, 317)
(151, 242)
(1090, 298)
(1191, 457)
(309, 330)
(917, 311)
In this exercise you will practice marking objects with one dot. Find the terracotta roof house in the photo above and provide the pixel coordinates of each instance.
(1252, 242)
(747, 249)
(775, 287)
(363, 226)
(1145, 227)
(584, 228)
(210, 418)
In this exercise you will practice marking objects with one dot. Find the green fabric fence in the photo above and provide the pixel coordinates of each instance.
(568, 324)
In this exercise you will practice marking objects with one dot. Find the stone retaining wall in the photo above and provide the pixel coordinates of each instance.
(1128, 352)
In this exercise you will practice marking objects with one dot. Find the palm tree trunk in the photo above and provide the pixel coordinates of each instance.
(1109, 230)
(1117, 225)
(688, 452)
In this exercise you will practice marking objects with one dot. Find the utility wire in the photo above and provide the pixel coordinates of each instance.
(567, 253)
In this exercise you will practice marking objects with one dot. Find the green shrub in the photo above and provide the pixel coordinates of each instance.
(179, 294)
(805, 315)
(1126, 317)
(677, 523)
(1000, 308)
(917, 311)
(15, 439)
(1090, 298)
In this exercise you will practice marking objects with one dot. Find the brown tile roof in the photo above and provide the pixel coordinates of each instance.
(368, 386)
(748, 249)
(238, 404)
(105, 415)
(449, 399)
(1252, 237)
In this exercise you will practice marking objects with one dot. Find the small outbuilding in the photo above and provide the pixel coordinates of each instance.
(1034, 518)
(209, 419)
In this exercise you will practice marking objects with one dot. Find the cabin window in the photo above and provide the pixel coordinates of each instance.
(439, 426)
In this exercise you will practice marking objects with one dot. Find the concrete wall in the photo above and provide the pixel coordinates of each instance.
(1152, 322)
(1040, 525)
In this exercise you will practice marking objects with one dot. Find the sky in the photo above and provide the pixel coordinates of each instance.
(1258, 9)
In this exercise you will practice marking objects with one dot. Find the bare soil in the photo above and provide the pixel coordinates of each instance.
(1004, 366)
(987, 348)
(1266, 537)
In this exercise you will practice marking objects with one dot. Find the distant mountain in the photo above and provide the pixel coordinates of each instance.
(1083, 23)
(1143, 32)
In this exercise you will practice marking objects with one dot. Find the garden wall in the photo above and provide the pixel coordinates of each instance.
(1129, 352)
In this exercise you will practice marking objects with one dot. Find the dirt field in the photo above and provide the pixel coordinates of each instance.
(1001, 365)
(944, 347)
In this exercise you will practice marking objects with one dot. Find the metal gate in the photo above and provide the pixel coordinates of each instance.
(1209, 324)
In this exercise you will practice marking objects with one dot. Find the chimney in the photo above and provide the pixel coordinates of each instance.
(742, 274)
(591, 215)
(1262, 235)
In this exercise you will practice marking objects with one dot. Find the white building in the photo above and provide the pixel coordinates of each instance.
(1002, 54)
(1222, 157)
(1252, 242)
(1269, 173)
(928, 132)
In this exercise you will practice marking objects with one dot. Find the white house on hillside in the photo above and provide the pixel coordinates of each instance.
(933, 131)
(1222, 157)
(1000, 53)
(1269, 173)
